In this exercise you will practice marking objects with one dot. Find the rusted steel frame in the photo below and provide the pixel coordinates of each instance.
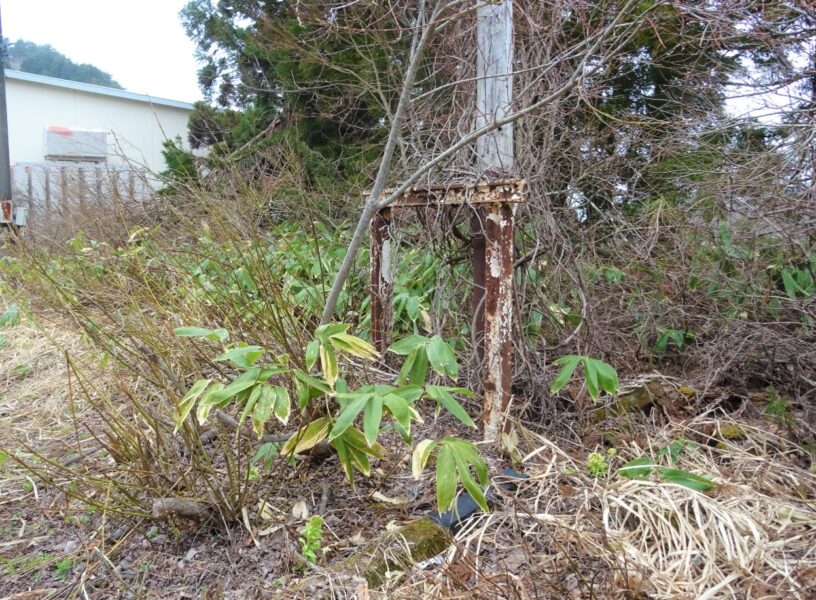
(457, 194)
(477, 259)
(498, 321)
(382, 280)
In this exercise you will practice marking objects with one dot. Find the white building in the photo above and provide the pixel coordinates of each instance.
(136, 125)
(67, 137)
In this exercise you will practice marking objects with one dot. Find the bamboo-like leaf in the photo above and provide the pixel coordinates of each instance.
(591, 378)
(568, 365)
(283, 404)
(408, 344)
(189, 400)
(313, 382)
(607, 377)
(348, 414)
(445, 477)
(249, 404)
(442, 358)
(372, 419)
(242, 356)
(443, 397)
(311, 354)
(328, 362)
(307, 437)
(216, 335)
(463, 470)
(263, 409)
(324, 332)
(637, 468)
(420, 457)
(686, 479)
(206, 404)
(354, 346)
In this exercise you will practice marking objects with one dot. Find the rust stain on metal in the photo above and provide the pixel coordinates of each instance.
(498, 316)
(492, 297)
(382, 282)
(477, 259)
(458, 194)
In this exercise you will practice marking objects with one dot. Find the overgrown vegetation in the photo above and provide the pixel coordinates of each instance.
(664, 357)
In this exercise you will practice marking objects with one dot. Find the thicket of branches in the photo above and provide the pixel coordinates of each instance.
(668, 149)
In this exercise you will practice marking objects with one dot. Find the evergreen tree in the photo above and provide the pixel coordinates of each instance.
(45, 60)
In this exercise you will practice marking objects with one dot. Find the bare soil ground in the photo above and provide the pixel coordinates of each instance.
(561, 534)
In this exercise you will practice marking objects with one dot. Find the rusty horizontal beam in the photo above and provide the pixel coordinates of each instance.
(510, 191)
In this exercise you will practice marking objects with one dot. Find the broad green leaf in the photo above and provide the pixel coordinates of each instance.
(189, 400)
(283, 404)
(250, 404)
(442, 358)
(263, 409)
(412, 307)
(568, 365)
(216, 335)
(591, 378)
(463, 470)
(344, 456)
(360, 460)
(420, 457)
(443, 397)
(313, 382)
(324, 332)
(307, 437)
(206, 403)
(408, 344)
(445, 477)
(399, 409)
(328, 362)
(637, 469)
(244, 381)
(411, 393)
(242, 356)
(354, 346)
(607, 377)
(686, 479)
(311, 354)
(356, 438)
(372, 419)
(347, 415)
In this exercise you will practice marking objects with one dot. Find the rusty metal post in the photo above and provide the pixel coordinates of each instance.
(477, 257)
(382, 280)
(498, 317)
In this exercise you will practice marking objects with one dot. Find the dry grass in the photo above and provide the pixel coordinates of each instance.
(564, 534)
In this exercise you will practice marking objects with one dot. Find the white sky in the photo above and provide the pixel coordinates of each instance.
(141, 43)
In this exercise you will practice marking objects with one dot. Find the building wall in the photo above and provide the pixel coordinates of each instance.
(137, 129)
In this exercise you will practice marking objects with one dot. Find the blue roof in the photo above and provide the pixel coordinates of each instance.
(95, 89)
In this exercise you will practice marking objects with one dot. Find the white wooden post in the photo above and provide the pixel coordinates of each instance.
(494, 85)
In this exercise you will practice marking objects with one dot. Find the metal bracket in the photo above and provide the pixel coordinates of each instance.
(492, 220)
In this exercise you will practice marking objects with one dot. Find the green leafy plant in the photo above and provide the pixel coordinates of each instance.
(454, 460)
(598, 375)
(675, 336)
(312, 539)
(10, 316)
(63, 567)
(644, 466)
(777, 408)
(251, 390)
(598, 462)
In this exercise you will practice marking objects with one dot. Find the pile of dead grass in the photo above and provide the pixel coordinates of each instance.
(565, 534)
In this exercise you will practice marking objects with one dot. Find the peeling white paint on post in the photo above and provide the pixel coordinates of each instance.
(498, 318)
(495, 158)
